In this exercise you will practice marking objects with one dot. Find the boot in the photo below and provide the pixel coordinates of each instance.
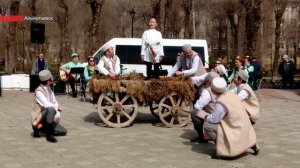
(200, 139)
(255, 148)
(36, 132)
(49, 136)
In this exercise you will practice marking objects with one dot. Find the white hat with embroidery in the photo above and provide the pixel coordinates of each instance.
(106, 47)
(212, 75)
(243, 75)
(220, 69)
(219, 85)
(45, 75)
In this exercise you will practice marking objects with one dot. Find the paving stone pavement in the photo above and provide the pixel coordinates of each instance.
(144, 145)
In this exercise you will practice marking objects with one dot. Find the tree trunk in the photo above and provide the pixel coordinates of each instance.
(280, 6)
(11, 44)
(96, 7)
(253, 20)
(187, 20)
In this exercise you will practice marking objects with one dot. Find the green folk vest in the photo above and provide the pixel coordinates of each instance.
(200, 71)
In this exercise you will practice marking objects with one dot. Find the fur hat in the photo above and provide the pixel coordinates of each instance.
(186, 48)
(106, 47)
(220, 69)
(243, 74)
(212, 75)
(74, 55)
(45, 75)
(218, 85)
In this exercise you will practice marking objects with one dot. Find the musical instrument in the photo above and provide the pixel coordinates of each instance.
(64, 75)
(152, 52)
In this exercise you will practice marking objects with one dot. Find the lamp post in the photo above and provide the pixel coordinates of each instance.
(132, 13)
(23, 30)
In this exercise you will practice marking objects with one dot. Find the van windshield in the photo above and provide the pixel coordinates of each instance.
(131, 54)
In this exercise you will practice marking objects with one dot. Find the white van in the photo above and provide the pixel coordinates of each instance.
(129, 49)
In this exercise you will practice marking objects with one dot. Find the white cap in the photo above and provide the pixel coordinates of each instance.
(45, 75)
(243, 74)
(219, 85)
(220, 69)
(212, 75)
(106, 47)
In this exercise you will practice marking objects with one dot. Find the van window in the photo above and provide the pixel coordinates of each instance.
(131, 54)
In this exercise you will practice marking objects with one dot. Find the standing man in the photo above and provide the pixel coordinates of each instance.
(228, 124)
(46, 110)
(109, 64)
(257, 74)
(152, 49)
(190, 63)
(40, 63)
(71, 77)
(287, 70)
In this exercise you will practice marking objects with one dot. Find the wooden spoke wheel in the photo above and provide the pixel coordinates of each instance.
(174, 111)
(117, 109)
(154, 108)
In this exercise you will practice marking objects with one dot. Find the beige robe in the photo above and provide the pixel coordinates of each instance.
(235, 134)
(251, 104)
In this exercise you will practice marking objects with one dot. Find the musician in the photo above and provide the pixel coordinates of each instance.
(152, 49)
(71, 77)
(190, 63)
(109, 64)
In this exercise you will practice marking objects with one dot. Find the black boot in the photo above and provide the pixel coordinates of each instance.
(50, 137)
(200, 139)
(36, 132)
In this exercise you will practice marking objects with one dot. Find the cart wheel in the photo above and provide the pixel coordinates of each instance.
(174, 111)
(117, 109)
(154, 108)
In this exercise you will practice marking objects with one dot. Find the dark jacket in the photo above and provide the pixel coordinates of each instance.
(288, 70)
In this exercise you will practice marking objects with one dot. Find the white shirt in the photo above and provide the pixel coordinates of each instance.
(188, 72)
(104, 71)
(243, 94)
(199, 80)
(44, 102)
(217, 115)
(203, 100)
(154, 39)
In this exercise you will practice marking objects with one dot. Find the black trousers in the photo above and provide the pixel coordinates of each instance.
(149, 72)
(198, 123)
(48, 118)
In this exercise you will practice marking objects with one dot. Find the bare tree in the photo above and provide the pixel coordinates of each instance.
(279, 8)
(11, 44)
(92, 40)
(253, 21)
(233, 12)
(31, 4)
(62, 16)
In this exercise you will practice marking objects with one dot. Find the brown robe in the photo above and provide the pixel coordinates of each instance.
(235, 134)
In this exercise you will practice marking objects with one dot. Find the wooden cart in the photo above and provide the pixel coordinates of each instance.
(170, 99)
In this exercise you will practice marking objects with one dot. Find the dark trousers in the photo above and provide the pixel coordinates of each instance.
(71, 81)
(48, 119)
(149, 72)
(198, 123)
(287, 79)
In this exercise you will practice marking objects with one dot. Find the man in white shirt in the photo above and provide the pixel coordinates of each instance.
(206, 101)
(189, 62)
(109, 64)
(229, 123)
(46, 110)
(246, 95)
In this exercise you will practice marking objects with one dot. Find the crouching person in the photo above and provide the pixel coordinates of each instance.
(46, 111)
(228, 124)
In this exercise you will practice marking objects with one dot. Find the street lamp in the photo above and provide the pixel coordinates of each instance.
(132, 13)
(23, 30)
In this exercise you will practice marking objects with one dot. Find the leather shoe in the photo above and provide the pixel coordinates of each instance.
(199, 140)
(50, 138)
(255, 148)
